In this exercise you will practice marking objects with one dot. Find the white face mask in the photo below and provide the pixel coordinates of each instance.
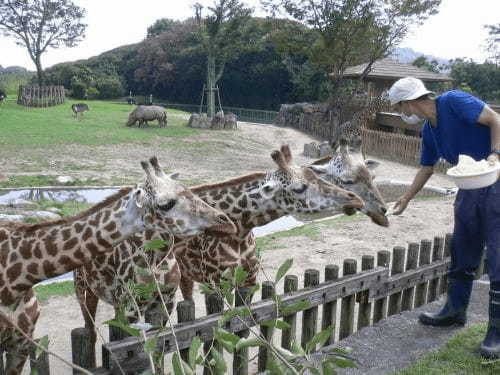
(412, 120)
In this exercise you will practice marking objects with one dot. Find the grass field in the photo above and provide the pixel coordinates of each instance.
(104, 124)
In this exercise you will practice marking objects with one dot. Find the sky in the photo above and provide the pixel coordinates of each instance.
(457, 31)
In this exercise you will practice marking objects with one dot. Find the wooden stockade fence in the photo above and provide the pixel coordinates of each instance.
(416, 275)
(36, 96)
(401, 148)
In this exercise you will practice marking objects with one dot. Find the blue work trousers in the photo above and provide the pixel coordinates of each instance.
(477, 224)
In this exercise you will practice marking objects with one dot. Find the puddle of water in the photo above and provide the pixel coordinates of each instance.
(58, 195)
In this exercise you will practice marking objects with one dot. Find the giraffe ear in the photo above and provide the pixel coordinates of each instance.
(139, 197)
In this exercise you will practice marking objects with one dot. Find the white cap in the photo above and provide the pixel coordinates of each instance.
(407, 88)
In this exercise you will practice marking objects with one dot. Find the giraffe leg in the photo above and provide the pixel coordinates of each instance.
(187, 286)
(88, 304)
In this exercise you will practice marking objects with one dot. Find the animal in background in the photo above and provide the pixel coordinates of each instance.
(131, 101)
(143, 114)
(3, 95)
(79, 108)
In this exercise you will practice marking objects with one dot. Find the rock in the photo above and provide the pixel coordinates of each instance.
(311, 150)
(18, 204)
(42, 215)
(4, 217)
(65, 180)
(230, 122)
(199, 121)
(324, 149)
(218, 121)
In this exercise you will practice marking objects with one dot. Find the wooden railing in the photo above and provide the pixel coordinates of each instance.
(415, 276)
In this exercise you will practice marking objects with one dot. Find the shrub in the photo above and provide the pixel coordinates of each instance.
(110, 88)
(92, 93)
(78, 89)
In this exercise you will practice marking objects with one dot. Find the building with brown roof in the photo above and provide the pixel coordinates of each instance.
(386, 71)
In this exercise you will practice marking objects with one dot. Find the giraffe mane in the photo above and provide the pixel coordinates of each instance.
(231, 182)
(27, 227)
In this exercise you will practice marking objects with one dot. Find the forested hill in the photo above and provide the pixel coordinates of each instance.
(171, 66)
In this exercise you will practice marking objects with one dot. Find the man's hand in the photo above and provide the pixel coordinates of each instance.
(493, 159)
(400, 206)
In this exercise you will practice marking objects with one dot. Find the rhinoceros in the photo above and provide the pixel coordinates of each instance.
(145, 113)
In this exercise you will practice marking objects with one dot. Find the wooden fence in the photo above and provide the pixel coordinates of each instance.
(36, 96)
(397, 147)
(364, 295)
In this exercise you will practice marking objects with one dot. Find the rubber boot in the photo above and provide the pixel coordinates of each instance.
(454, 311)
(490, 347)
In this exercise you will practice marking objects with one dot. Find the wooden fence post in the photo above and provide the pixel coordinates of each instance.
(266, 332)
(437, 255)
(330, 308)
(82, 350)
(40, 365)
(425, 258)
(365, 306)
(398, 266)
(214, 304)
(411, 264)
(240, 357)
(347, 308)
(290, 334)
(309, 316)
(380, 304)
(185, 313)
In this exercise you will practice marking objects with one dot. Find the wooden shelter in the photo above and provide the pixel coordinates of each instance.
(386, 71)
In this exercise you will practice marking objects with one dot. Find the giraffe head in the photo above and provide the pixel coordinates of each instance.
(295, 189)
(169, 206)
(348, 169)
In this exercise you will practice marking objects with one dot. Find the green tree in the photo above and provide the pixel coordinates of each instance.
(42, 24)
(223, 37)
(493, 42)
(160, 26)
(343, 33)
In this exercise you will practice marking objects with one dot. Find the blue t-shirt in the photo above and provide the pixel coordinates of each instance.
(457, 131)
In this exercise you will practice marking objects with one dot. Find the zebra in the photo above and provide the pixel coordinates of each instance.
(79, 108)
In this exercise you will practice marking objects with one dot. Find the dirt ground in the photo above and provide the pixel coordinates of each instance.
(247, 150)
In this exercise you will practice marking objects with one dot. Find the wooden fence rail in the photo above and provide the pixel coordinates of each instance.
(416, 275)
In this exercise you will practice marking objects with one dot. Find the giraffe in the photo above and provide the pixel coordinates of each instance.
(348, 169)
(30, 253)
(363, 118)
(250, 201)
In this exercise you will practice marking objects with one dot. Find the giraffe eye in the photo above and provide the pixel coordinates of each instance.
(168, 206)
(301, 189)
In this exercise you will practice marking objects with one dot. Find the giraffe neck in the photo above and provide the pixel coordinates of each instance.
(32, 253)
(238, 200)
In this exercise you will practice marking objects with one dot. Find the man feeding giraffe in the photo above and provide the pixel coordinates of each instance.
(457, 123)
